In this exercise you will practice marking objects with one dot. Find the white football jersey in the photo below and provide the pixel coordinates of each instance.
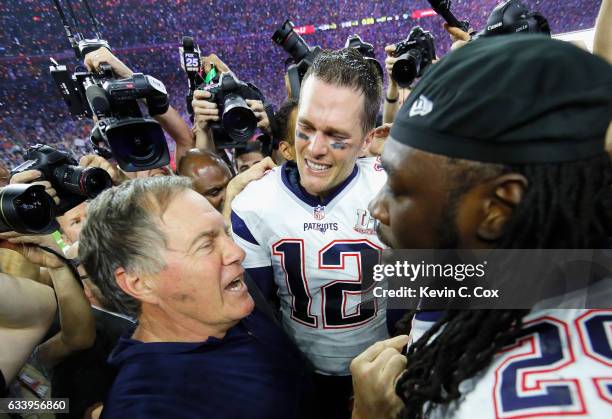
(560, 366)
(317, 251)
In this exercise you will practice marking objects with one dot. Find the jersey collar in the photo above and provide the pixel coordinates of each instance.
(291, 178)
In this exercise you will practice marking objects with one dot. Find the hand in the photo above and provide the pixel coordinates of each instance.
(91, 160)
(458, 37)
(375, 372)
(219, 65)
(262, 117)
(28, 246)
(29, 176)
(389, 62)
(204, 109)
(255, 172)
(103, 55)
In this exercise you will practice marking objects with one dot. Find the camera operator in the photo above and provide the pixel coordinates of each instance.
(171, 121)
(206, 110)
(395, 95)
(11, 262)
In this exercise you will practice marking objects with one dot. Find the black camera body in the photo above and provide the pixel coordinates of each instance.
(414, 55)
(237, 122)
(302, 54)
(511, 16)
(73, 184)
(136, 142)
(366, 50)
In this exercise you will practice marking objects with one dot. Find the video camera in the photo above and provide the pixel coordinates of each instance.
(74, 184)
(414, 55)
(366, 50)
(238, 122)
(302, 54)
(136, 142)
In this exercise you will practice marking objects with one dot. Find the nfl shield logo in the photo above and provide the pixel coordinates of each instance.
(319, 212)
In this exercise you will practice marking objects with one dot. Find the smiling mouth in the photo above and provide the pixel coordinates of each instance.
(316, 167)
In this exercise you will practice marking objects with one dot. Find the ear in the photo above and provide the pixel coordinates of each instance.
(136, 286)
(505, 194)
(286, 150)
(368, 141)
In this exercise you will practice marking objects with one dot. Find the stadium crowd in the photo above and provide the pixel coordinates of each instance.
(149, 43)
(171, 275)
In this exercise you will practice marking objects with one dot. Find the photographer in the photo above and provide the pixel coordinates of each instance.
(11, 262)
(395, 95)
(170, 121)
(206, 111)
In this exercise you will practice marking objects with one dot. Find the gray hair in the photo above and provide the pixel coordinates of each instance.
(122, 230)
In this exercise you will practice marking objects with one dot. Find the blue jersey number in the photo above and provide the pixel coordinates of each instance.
(335, 293)
(527, 383)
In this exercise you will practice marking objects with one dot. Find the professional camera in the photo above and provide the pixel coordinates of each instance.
(414, 55)
(303, 55)
(136, 142)
(238, 123)
(366, 50)
(27, 209)
(74, 184)
(237, 119)
(443, 8)
(512, 17)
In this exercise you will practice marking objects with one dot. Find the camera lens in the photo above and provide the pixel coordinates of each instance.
(140, 149)
(291, 41)
(138, 144)
(26, 209)
(238, 119)
(406, 68)
(94, 180)
(81, 181)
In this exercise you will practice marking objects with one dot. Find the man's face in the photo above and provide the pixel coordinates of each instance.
(246, 160)
(203, 277)
(211, 183)
(328, 136)
(72, 222)
(412, 207)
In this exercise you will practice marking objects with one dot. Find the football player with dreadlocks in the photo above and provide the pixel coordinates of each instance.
(512, 162)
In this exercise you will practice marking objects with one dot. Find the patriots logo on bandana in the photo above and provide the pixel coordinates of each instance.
(319, 212)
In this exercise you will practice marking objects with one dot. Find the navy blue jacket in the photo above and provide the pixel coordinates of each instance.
(255, 371)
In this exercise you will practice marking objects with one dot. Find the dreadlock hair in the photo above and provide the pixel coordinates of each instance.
(463, 342)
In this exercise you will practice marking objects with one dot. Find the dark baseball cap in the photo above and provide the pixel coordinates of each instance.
(511, 99)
